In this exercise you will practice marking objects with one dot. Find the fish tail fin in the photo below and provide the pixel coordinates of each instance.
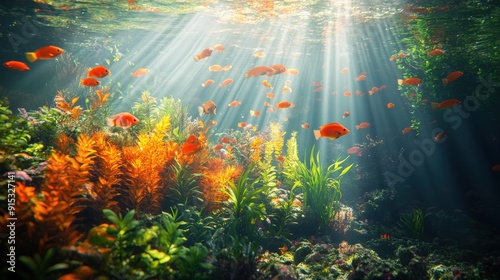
(357, 126)
(317, 134)
(196, 58)
(110, 122)
(445, 81)
(200, 111)
(434, 105)
(89, 72)
(400, 82)
(31, 56)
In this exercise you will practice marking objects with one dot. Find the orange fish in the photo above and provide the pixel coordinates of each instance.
(452, 77)
(217, 147)
(296, 203)
(382, 87)
(355, 150)
(226, 82)
(410, 82)
(204, 53)
(207, 83)
(98, 72)
(385, 236)
(44, 53)
(346, 114)
(496, 168)
(318, 89)
(393, 57)
(259, 70)
(267, 104)
(358, 92)
(234, 103)
(445, 104)
(215, 68)
(259, 54)
(267, 84)
(360, 78)
(218, 48)
(390, 105)
(213, 122)
(435, 51)
(276, 201)
(191, 146)
(270, 95)
(280, 158)
(16, 65)
(207, 108)
(254, 113)
(285, 104)
(283, 249)
(347, 93)
(277, 69)
(292, 71)
(140, 72)
(331, 131)
(344, 71)
(363, 125)
(439, 136)
(286, 89)
(90, 82)
(227, 67)
(305, 125)
(242, 124)
(373, 90)
(124, 119)
(407, 129)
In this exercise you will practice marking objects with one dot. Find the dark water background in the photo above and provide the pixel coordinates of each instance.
(316, 37)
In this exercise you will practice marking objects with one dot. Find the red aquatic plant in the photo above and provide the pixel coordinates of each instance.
(60, 199)
(215, 180)
(104, 190)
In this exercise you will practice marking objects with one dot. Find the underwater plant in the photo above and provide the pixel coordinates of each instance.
(14, 131)
(193, 264)
(41, 268)
(144, 166)
(321, 192)
(146, 111)
(242, 212)
(107, 173)
(123, 230)
(183, 188)
(412, 222)
(198, 224)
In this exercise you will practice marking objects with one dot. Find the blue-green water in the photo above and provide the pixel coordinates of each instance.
(455, 175)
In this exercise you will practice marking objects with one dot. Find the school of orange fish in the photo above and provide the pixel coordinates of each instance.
(331, 130)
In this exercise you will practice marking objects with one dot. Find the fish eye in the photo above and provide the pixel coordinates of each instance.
(344, 129)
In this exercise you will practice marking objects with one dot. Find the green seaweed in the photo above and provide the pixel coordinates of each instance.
(321, 192)
(184, 190)
(41, 267)
(412, 222)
